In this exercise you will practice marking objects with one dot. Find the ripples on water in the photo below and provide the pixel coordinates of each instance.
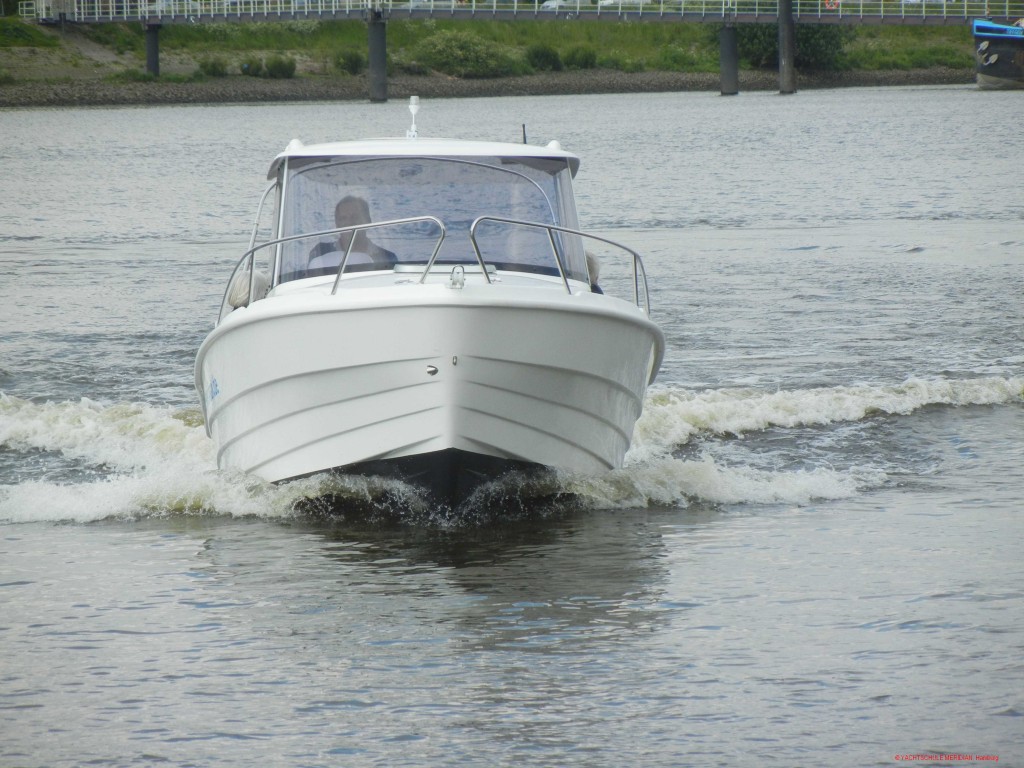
(811, 557)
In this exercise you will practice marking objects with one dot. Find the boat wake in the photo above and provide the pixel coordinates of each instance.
(672, 416)
(86, 461)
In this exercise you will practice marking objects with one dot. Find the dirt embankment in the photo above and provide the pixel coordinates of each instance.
(77, 73)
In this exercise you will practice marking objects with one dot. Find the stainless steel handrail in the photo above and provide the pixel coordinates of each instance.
(248, 259)
(250, 255)
(639, 273)
(392, 222)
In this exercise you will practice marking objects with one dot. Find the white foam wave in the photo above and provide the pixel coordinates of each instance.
(158, 461)
(673, 416)
(675, 482)
(122, 437)
(161, 493)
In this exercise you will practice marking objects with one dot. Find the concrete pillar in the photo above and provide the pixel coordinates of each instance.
(787, 48)
(153, 49)
(729, 60)
(378, 57)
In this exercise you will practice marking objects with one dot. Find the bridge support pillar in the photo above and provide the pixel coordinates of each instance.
(787, 48)
(153, 49)
(729, 60)
(378, 57)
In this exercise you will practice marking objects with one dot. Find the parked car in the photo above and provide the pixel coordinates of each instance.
(559, 5)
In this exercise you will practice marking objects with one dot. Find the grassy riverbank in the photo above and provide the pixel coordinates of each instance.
(104, 64)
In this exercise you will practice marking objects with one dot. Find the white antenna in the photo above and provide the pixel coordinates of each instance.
(414, 107)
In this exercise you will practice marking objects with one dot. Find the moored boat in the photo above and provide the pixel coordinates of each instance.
(999, 54)
(426, 309)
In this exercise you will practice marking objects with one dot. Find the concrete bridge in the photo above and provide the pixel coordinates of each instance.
(376, 13)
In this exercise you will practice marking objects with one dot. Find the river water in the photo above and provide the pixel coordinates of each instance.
(812, 557)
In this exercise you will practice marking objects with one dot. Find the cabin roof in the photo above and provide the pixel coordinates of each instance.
(423, 148)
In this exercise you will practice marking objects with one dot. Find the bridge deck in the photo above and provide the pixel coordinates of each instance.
(804, 11)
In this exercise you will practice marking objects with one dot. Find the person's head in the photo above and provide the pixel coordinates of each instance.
(348, 212)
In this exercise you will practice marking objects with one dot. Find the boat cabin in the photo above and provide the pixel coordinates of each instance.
(390, 204)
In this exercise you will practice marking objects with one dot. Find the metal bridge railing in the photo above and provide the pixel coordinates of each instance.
(849, 11)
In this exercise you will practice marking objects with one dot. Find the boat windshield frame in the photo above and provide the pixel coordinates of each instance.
(456, 190)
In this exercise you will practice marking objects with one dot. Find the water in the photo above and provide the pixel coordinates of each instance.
(812, 557)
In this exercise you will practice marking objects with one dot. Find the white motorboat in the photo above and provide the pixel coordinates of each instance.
(429, 310)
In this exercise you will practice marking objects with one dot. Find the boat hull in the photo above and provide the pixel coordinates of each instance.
(450, 476)
(365, 380)
(999, 54)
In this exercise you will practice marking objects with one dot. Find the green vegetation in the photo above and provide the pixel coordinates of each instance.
(121, 38)
(139, 76)
(580, 57)
(818, 46)
(463, 53)
(14, 33)
(479, 49)
(543, 58)
(878, 48)
(252, 66)
(351, 60)
(834, 47)
(214, 66)
(280, 67)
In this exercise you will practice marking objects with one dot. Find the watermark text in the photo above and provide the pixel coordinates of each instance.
(954, 757)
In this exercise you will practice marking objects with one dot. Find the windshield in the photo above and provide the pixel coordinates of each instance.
(326, 193)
